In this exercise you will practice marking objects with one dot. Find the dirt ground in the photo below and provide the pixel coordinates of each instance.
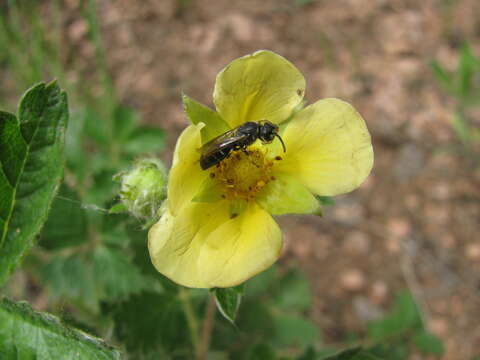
(415, 222)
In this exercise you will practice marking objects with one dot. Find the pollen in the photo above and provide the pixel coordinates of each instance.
(244, 173)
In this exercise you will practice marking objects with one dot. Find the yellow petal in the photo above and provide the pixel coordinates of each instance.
(260, 86)
(328, 148)
(203, 247)
(186, 175)
(286, 195)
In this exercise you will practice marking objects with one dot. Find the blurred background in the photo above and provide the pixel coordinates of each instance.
(412, 70)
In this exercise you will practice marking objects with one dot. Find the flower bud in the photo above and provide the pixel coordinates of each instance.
(144, 188)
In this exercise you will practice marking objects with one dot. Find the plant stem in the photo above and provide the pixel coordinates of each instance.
(207, 328)
(191, 319)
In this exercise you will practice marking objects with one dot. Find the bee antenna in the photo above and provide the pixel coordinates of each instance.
(283, 145)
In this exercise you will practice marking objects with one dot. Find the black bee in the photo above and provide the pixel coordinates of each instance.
(242, 136)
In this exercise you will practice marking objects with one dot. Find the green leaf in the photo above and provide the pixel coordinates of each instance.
(262, 352)
(354, 354)
(294, 293)
(31, 160)
(228, 301)
(443, 77)
(77, 160)
(126, 120)
(398, 350)
(293, 330)
(117, 275)
(27, 334)
(149, 322)
(96, 126)
(67, 222)
(89, 278)
(428, 343)
(466, 70)
(145, 139)
(462, 129)
(196, 112)
(309, 354)
(404, 316)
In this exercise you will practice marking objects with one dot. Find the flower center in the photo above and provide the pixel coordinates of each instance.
(243, 174)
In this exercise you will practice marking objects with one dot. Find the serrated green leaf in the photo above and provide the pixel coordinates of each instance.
(428, 343)
(228, 301)
(31, 159)
(67, 222)
(148, 322)
(117, 275)
(144, 139)
(89, 278)
(27, 334)
(196, 112)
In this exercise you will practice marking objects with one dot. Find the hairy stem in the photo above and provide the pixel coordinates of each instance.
(191, 319)
(207, 328)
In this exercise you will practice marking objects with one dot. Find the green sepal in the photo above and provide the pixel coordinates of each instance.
(197, 113)
(228, 301)
(209, 192)
(325, 200)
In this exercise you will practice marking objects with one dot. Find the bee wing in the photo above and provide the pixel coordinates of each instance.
(221, 142)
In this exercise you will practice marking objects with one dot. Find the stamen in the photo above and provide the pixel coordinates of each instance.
(244, 173)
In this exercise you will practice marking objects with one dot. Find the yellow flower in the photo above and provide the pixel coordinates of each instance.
(217, 230)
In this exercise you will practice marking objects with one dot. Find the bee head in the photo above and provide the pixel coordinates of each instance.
(267, 131)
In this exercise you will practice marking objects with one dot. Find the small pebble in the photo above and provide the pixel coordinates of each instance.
(352, 280)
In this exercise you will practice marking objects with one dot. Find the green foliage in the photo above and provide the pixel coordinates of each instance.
(273, 315)
(27, 334)
(31, 157)
(463, 85)
(151, 323)
(403, 317)
(402, 329)
(428, 343)
(67, 223)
